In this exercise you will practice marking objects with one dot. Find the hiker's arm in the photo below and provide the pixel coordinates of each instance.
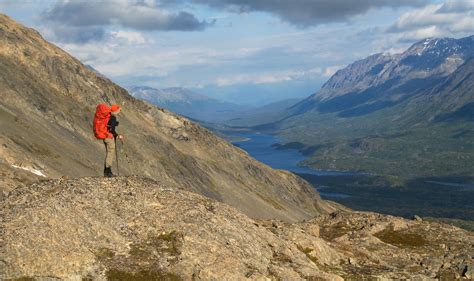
(112, 124)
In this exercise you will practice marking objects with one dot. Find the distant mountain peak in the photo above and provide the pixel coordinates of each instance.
(176, 89)
(430, 57)
(437, 47)
(171, 94)
(188, 103)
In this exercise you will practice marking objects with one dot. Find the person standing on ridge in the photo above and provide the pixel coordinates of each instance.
(105, 123)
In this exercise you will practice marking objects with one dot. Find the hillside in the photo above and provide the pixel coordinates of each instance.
(407, 115)
(134, 228)
(188, 103)
(48, 102)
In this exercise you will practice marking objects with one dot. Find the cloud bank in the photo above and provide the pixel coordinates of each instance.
(451, 18)
(82, 21)
(308, 12)
(243, 52)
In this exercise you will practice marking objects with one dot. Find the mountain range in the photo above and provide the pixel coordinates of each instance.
(188, 103)
(404, 115)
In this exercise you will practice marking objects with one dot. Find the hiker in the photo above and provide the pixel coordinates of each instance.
(105, 122)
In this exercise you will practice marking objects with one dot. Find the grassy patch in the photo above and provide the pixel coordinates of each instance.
(104, 253)
(400, 238)
(166, 243)
(144, 259)
(169, 242)
(119, 275)
(333, 232)
(307, 252)
(464, 224)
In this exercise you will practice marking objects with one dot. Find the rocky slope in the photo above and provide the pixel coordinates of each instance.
(134, 228)
(46, 111)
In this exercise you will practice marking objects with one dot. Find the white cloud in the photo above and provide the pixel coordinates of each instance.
(82, 21)
(9, 3)
(453, 18)
(267, 77)
(255, 78)
(93, 53)
(204, 59)
(329, 71)
(130, 37)
(130, 53)
(457, 6)
(309, 12)
(424, 32)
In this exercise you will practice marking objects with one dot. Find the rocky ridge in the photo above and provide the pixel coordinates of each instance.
(134, 228)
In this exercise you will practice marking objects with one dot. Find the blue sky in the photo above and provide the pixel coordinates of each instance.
(244, 51)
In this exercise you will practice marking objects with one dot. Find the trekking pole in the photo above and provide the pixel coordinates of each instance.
(116, 156)
(123, 152)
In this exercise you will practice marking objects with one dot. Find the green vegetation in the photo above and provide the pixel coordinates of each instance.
(141, 263)
(423, 196)
(406, 139)
(337, 230)
(430, 150)
(465, 224)
(104, 253)
(119, 275)
(307, 252)
(401, 239)
(164, 244)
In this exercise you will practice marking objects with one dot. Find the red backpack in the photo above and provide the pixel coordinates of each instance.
(101, 119)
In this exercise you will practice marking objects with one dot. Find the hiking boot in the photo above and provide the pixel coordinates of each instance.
(108, 172)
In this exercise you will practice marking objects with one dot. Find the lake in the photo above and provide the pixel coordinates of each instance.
(451, 197)
(260, 146)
